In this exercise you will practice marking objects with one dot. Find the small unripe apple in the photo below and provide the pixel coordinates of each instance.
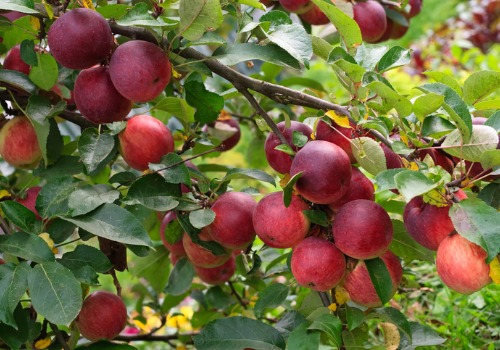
(461, 264)
(13, 61)
(317, 264)
(29, 200)
(176, 248)
(201, 256)
(371, 18)
(144, 140)
(360, 187)
(217, 275)
(19, 144)
(103, 316)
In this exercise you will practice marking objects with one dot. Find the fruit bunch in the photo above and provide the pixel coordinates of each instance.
(482, 23)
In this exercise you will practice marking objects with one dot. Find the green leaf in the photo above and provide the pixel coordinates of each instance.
(27, 246)
(380, 277)
(445, 79)
(180, 278)
(13, 285)
(177, 107)
(208, 104)
(199, 16)
(397, 56)
(395, 317)
(318, 217)
(18, 80)
(85, 199)
(321, 47)
(45, 73)
(491, 195)
(294, 40)
(53, 198)
(421, 335)
(21, 216)
(55, 293)
(487, 104)
(154, 268)
(96, 149)
(238, 333)
(390, 99)
(385, 180)
(482, 139)
(139, 15)
(413, 183)
(106, 345)
(256, 174)
(427, 104)
(28, 54)
(355, 317)
(490, 159)
(273, 296)
(276, 18)
(331, 326)
(24, 6)
(437, 127)
(173, 168)
(113, 10)
(369, 154)
(480, 84)
(27, 330)
(113, 222)
(201, 218)
(494, 121)
(406, 247)
(303, 338)
(86, 255)
(353, 70)
(479, 223)
(153, 192)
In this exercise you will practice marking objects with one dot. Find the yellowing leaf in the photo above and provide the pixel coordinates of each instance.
(4, 193)
(436, 197)
(46, 237)
(391, 335)
(88, 4)
(35, 23)
(48, 9)
(42, 344)
(341, 120)
(495, 270)
(341, 295)
(176, 74)
(404, 138)
(410, 165)
(333, 307)
(284, 180)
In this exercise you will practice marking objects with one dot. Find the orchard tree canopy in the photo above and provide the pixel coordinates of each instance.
(244, 174)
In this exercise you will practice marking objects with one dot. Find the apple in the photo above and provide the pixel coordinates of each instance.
(362, 229)
(360, 187)
(415, 7)
(360, 287)
(176, 248)
(339, 135)
(326, 172)
(314, 16)
(461, 264)
(233, 226)
(29, 200)
(139, 70)
(2, 261)
(103, 316)
(201, 256)
(19, 144)
(13, 61)
(217, 275)
(438, 158)
(278, 160)
(80, 38)
(227, 130)
(371, 19)
(144, 140)
(296, 6)
(97, 99)
(392, 160)
(279, 226)
(12, 15)
(317, 264)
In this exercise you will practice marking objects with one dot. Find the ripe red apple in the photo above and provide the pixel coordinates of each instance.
(176, 248)
(438, 158)
(13, 15)
(233, 226)
(362, 229)
(217, 275)
(392, 160)
(29, 200)
(415, 7)
(358, 284)
(144, 140)
(19, 144)
(461, 265)
(227, 130)
(278, 160)
(80, 38)
(334, 133)
(297, 6)
(103, 316)
(13, 61)
(2, 261)
(326, 172)
(314, 16)
(278, 226)
(360, 187)
(97, 99)
(371, 18)
(139, 70)
(201, 256)
(317, 264)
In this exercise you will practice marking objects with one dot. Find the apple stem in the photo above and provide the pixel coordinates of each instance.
(116, 282)
(324, 298)
(235, 293)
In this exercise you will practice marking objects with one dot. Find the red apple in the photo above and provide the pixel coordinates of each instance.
(97, 99)
(334, 133)
(145, 140)
(233, 226)
(358, 284)
(103, 316)
(279, 226)
(278, 160)
(392, 160)
(371, 18)
(176, 248)
(461, 265)
(19, 144)
(29, 200)
(13, 61)
(362, 229)
(201, 256)
(2, 261)
(360, 187)
(13, 15)
(297, 6)
(314, 16)
(415, 7)
(438, 158)
(139, 70)
(217, 275)
(80, 38)
(317, 264)
(227, 130)
(326, 172)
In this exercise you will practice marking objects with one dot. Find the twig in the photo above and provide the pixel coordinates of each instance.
(324, 298)
(235, 293)
(150, 337)
(116, 282)
(59, 336)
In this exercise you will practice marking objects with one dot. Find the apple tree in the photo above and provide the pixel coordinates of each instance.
(256, 162)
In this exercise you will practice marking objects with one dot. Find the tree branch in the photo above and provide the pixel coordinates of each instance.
(151, 337)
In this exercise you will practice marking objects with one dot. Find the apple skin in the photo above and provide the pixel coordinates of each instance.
(362, 229)
(227, 130)
(217, 275)
(13, 15)
(145, 140)
(314, 16)
(296, 6)
(233, 226)
(317, 264)
(415, 7)
(278, 160)
(371, 19)
(177, 248)
(80, 38)
(19, 144)
(360, 187)
(278, 226)
(438, 158)
(392, 160)
(358, 284)
(326, 172)
(29, 200)
(103, 316)
(97, 99)
(140, 70)
(200, 256)
(461, 265)
(13, 61)
(336, 134)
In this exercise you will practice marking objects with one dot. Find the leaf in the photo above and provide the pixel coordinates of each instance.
(106, 345)
(318, 217)
(153, 192)
(437, 127)
(421, 335)
(208, 104)
(355, 317)
(490, 159)
(445, 79)
(154, 268)
(390, 314)
(294, 40)
(480, 84)
(45, 73)
(173, 168)
(385, 180)
(27, 331)
(271, 297)
(85, 199)
(369, 154)
(397, 56)
(413, 183)
(18, 80)
(177, 107)
(491, 195)
(330, 325)
(479, 223)
(303, 339)
(427, 104)
(28, 54)
(290, 321)
(139, 16)
(238, 333)
(256, 174)
(390, 99)
(483, 138)
(380, 277)
(288, 189)
(27, 246)
(96, 149)
(55, 293)
(13, 285)
(23, 6)
(406, 247)
(86, 255)
(199, 16)
(180, 278)
(53, 198)
(21, 217)
(113, 222)
(201, 218)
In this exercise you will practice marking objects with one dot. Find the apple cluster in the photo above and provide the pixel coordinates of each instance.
(482, 26)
